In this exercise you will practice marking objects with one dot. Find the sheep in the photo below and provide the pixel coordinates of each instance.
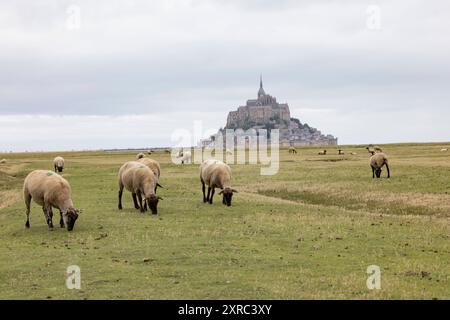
(353, 153)
(49, 189)
(323, 152)
(444, 150)
(154, 166)
(292, 150)
(341, 152)
(216, 174)
(186, 157)
(58, 164)
(373, 149)
(140, 155)
(377, 161)
(139, 180)
(3, 161)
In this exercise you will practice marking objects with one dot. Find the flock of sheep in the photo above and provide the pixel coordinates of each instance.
(140, 177)
(50, 190)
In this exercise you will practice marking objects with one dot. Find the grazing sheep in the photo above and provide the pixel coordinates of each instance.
(341, 152)
(58, 164)
(444, 150)
(3, 161)
(323, 152)
(50, 190)
(292, 150)
(377, 161)
(373, 149)
(154, 166)
(353, 153)
(140, 181)
(140, 155)
(186, 157)
(216, 174)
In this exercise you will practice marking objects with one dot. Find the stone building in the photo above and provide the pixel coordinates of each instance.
(265, 112)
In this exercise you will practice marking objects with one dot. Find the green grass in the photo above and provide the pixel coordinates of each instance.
(309, 231)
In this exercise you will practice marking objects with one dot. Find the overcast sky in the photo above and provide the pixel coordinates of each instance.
(115, 74)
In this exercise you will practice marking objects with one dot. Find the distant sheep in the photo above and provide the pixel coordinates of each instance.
(353, 153)
(292, 150)
(216, 174)
(58, 164)
(49, 190)
(186, 157)
(377, 161)
(341, 152)
(3, 161)
(322, 153)
(140, 181)
(444, 150)
(140, 155)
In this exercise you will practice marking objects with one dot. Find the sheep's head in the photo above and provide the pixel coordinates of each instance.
(152, 202)
(227, 195)
(60, 169)
(378, 172)
(70, 217)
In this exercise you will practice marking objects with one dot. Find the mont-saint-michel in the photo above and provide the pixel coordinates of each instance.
(265, 112)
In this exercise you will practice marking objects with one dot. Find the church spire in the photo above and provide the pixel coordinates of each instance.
(261, 92)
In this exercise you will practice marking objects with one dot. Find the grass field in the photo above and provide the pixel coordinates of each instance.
(309, 232)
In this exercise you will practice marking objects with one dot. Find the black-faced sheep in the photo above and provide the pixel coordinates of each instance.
(58, 164)
(341, 152)
(186, 157)
(50, 190)
(216, 174)
(322, 153)
(292, 150)
(3, 161)
(140, 181)
(140, 155)
(377, 161)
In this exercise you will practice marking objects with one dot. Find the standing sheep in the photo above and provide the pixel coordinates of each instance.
(58, 164)
(154, 166)
(140, 181)
(341, 152)
(140, 155)
(216, 174)
(292, 150)
(3, 161)
(186, 157)
(377, 161)
(49, 190)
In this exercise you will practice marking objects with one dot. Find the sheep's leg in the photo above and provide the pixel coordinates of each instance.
(120, 196)
(145, 204)
(27, 204)
(139, 195)
(203, 189)
(61, 220)
(47, 209)
(387, 168)
(209, 193)
(373, 172)
(136, 206)
(212, 195)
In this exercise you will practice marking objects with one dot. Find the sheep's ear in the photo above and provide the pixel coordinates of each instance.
(221, 192)
(234, 190)
(159, 185)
